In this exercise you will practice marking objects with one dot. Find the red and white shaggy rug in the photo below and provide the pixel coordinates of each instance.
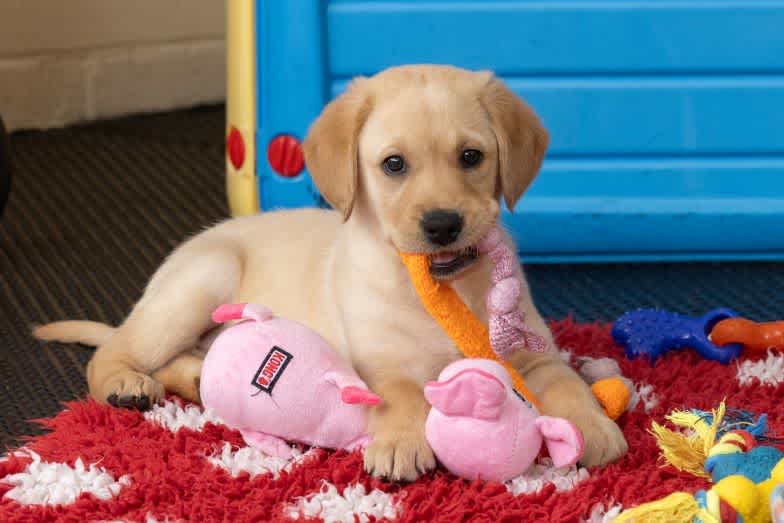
(177, 463)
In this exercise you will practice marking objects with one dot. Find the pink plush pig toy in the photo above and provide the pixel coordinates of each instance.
(479, 427)
(278, 381)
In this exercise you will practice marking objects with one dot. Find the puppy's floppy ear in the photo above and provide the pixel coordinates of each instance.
(522, 140)
(331, 150)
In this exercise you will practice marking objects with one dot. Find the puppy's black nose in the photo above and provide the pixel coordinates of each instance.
(441, 226)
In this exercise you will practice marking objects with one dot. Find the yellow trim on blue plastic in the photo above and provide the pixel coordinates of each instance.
(241, 186)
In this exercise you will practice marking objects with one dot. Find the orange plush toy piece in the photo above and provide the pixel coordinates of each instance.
(611, 389)
(466, 330)
(613, 395)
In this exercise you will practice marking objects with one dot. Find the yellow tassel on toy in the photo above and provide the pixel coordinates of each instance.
(688, 452)
(685, 453)
(679, 507)
(704, 431)
(468, 333)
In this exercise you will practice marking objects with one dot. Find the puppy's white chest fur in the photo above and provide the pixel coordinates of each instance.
(406, 341)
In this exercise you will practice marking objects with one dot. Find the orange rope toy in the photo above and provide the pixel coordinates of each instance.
(445, 306)
(507, 331)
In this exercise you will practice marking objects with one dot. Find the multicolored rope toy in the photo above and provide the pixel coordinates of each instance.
(720, 445)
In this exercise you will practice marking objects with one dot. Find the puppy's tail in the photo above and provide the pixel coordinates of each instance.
(75, 331)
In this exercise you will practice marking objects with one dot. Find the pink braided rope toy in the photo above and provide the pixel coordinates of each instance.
(506, 322)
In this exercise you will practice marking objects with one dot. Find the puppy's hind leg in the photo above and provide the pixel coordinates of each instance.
(168, 321)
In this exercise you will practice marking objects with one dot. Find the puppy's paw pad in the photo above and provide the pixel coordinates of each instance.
(133, 390)
(399, 458)
(129, 402)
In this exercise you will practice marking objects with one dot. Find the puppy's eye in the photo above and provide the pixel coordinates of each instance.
(394, 165)
(471, 158)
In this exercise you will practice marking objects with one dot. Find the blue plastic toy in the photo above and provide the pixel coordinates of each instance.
(610, 188)
(653, 332)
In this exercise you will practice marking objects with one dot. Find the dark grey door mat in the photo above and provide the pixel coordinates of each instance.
(95, 208)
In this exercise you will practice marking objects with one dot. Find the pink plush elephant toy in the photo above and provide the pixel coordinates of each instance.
(278, 381)
(479, 427)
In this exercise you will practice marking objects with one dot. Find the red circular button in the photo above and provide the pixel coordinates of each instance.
(235, 148)
(284, 154)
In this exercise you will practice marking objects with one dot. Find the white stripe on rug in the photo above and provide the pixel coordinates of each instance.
(602, 513)
(173, 416)
(769, 371)
(645, 394)
(543, 473)
(255, 462)
(353, 504)
(52, 483)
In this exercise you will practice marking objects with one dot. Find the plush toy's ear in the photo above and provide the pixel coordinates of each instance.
(470, 393)
(239, 311)
(563, 440)
(358, 396)
(352, 389)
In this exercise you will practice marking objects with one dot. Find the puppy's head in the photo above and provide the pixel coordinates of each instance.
(425, 152)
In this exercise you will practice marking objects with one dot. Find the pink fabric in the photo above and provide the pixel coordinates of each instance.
(237, 311)
(472, 392)
(479, 428)
(228, 312)
(298, 396)
(355, 395)
(506, 322)
(563, 440)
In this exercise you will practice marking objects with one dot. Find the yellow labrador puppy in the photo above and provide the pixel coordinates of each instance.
(415, 158)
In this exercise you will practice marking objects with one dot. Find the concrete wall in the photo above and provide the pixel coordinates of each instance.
(74, 60)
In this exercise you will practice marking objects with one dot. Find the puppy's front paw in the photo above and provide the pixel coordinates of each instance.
(399, 456)
(604, 440)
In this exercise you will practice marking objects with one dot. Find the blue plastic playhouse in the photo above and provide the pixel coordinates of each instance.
(666, 117)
